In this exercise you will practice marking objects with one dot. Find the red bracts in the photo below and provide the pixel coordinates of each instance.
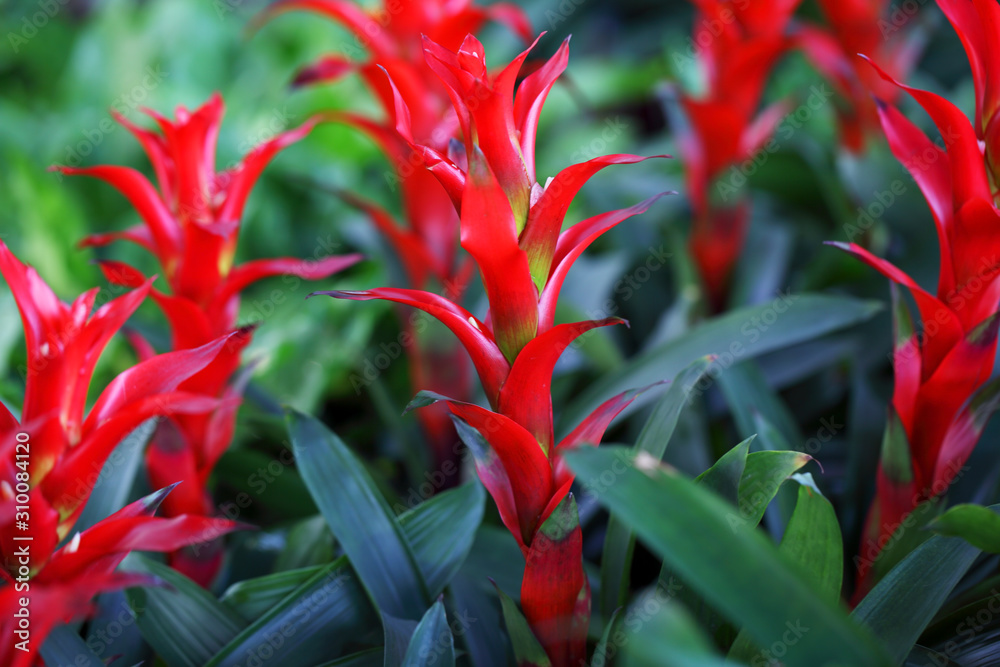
(940, 368)
(853, 27)
(738, 44)
(53, 455)
(511, 226)
(191, 224)
(426, 241)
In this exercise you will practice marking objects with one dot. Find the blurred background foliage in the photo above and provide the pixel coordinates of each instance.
(65, 63)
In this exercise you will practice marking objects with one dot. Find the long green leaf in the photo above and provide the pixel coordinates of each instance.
(619, 540)
(670, 638)
(63, 646)
(905, 601)
(360, 519)
(184, 623)
(738, 335)
(432, 643)
(738, 572)
(441, 531)
(326, 614)
(812, 539)
(977, 525)
(252, 598)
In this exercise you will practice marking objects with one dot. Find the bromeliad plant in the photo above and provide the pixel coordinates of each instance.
(191, 225)
(738, 45)
(53, 456)
(389, 41)
(853, 27)
(940, 404)
(511, 227)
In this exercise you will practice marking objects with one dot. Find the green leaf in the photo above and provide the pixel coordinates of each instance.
(432, 643)
(977, 525)
(63, 646)
(318, 620)
(309, 542)
(619, 541)
(763, 476)
(735, 336)
(184, 624)
(748, 394)
(724, 477)
(905, 601)
(812, 539)
(670, 638)
(600, 656)
(738, 572)
(252, 598)
(441, 531)
(527, 651)
(360, 519)
(111, 492)
(396, 633)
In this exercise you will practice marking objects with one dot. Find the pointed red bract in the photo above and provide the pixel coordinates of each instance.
(941, 367)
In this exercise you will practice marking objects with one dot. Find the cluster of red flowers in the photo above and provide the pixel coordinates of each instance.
(389, 44)
(53, 456)
(511, 226)
(738, 44)
(939, 404)
(191, 225)
(853, 27)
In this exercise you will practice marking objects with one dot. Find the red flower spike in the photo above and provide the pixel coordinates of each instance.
(940, 404)
(723, 127)
(417, 130)
(192, 223)
(859, 26)
(68, 447)
(511, 227)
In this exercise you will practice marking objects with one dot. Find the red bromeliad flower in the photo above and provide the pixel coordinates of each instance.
(938, 410)
(738, 44)
(860, 26)
(511, 226)
(389, 40)
(53, 456)
(192, 226)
